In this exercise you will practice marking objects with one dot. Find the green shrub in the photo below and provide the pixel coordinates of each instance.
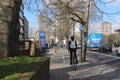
(14, 67)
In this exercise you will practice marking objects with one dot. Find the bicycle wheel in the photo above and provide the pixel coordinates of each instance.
(74, 65)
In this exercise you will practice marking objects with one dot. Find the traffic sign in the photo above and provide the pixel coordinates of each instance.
(81, 28)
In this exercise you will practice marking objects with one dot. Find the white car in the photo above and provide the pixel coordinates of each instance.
(118, 50)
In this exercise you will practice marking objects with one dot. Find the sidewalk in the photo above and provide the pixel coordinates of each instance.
(90, 70)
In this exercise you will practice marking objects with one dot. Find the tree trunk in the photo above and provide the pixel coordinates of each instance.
(84, 45)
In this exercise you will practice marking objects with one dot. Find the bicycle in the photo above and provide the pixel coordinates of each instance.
(74, 64)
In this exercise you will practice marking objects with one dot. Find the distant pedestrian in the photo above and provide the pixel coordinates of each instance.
(73, 48)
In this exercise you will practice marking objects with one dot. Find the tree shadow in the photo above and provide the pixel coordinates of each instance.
(60, 74)
(106, 76)
(67, 73)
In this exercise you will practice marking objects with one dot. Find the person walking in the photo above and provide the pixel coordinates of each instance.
(72, 48)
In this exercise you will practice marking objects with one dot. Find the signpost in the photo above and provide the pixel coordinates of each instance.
(43, 41)
(81, 30)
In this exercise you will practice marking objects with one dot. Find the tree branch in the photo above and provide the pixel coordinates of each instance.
(103, 11)
(107, 1)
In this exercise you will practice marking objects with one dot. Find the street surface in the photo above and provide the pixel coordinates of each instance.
(99, 66)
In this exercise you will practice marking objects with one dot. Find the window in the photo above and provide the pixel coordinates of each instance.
(21, 22)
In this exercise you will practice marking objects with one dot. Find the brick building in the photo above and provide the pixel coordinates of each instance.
(9, 27)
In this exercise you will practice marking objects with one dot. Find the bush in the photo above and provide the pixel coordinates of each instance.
(12, 68)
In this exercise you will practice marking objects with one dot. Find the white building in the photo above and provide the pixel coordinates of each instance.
(94, 28)
(106, 28)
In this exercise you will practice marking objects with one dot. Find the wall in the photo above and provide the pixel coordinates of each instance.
(43, 72)
(9, 27)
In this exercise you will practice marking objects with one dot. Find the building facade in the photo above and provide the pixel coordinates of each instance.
(26, 28)
(11, 27)
(94, 28)
(21, 21)
(106, 28)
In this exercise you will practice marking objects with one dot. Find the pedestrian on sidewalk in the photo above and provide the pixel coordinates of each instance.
(73, 48)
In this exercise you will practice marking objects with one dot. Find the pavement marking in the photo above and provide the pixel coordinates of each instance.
(63, 57)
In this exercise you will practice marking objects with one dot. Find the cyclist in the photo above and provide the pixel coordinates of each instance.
(72, 45)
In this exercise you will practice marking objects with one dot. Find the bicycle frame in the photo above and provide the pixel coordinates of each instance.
(74, 65)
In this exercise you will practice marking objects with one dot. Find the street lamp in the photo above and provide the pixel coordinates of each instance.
(81, 30)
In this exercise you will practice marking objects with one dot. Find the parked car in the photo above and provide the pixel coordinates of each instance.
(118, 50)
(105, 48)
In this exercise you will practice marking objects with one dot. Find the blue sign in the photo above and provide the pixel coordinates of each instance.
(43, 39)
(42, 34)
(95, 40)
(81, 28)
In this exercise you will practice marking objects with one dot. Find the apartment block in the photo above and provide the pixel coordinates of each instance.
(106, 28)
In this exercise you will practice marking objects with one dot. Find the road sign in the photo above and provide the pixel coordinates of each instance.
(81, 28)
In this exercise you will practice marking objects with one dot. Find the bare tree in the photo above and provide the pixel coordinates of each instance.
(111, 39)
(65, 11)
(82, 11)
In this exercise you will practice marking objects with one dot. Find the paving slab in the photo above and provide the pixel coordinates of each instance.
(93, 69)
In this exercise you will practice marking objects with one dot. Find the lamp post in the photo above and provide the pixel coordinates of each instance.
(81, 30)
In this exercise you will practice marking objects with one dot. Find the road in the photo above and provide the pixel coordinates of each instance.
(98, 67)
